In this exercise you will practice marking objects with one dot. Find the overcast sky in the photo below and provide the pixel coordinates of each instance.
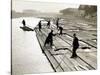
(20, 5)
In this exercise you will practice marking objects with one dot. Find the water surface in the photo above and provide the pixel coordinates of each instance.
(27, 57)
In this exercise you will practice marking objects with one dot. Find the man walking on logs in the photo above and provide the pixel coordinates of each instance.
(23, 22)
(48, 24)
(60, 28)
(49, 39)
(39, 24)
(57, 23)
(75, 46)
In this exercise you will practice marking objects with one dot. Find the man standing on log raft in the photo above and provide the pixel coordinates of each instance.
(23, 22)
(49, 39)
(57, 23)
(48, 24)
(60, 28)
(75, 46)
(39, 24)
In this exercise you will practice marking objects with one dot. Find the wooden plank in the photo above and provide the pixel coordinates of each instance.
(89, 59)
(73, 63)
(68, 64)
(77, 62)
(92, 43)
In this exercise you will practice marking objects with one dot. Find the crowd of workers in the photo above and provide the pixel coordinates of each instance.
(49, 38)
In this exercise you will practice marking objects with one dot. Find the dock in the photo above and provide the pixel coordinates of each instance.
(59, 55)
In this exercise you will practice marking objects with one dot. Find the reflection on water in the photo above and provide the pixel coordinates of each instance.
(27, 57)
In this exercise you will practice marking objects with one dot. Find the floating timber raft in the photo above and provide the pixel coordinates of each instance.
(25, 28)
(59, 55)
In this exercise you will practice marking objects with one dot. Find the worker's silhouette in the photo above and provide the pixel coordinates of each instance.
(39, 24)
(49, 39)
(23, 22)
(48, 24)
(57, 23)
(75, 46)
(60, 28)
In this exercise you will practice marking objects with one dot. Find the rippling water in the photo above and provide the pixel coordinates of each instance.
(27, 57)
